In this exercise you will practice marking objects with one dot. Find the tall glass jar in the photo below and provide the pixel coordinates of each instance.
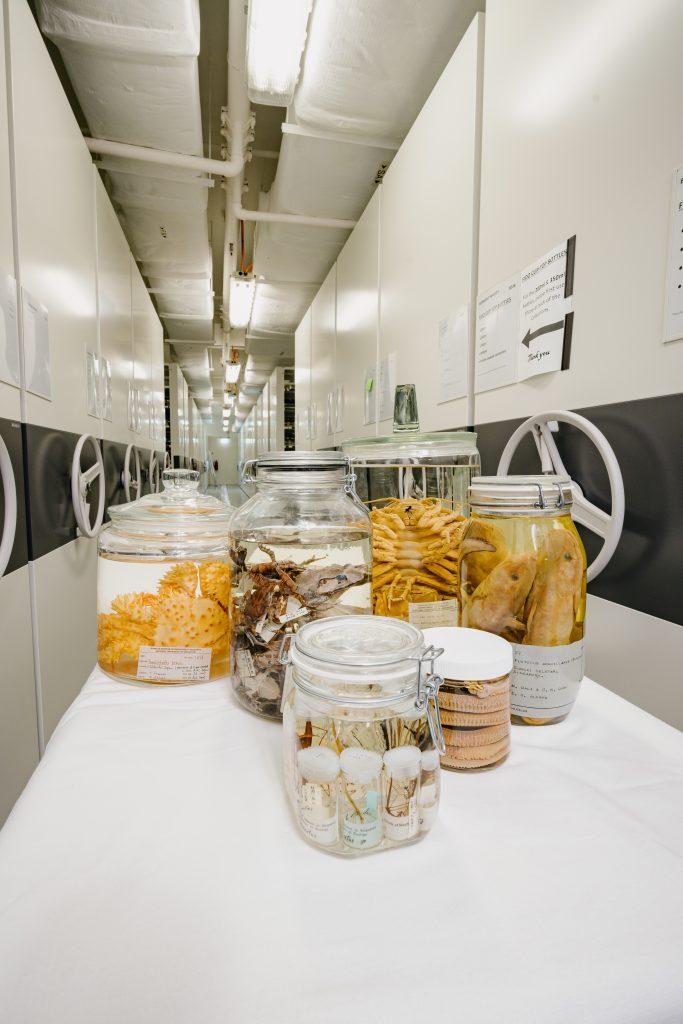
(163, 586)
(416, 488)
(523, 576)
(301, 551)
(362, 734)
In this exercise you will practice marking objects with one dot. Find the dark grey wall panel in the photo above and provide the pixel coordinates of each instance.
(646, 572)
(11, 433)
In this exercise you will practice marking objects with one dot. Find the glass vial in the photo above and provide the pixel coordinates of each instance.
(429, 789)
(405, 408)
(318, 794)
(401, 793)
(360, 796)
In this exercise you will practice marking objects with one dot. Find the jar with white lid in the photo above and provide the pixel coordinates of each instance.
(415, 485)
(301, 551)
(163, 586)
(523, 577)
(361, 698)
(474, 697)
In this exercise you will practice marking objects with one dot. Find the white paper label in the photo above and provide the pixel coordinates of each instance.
(362, 834)
(405, 827)
(545, 680)
(433, 613)
(454, 344)
(496, 341)
(245, 664)
(427, 816)
(180, 664)
(318, 815)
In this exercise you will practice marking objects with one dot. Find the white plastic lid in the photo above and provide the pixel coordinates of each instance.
(319, 764)
(430, 760)
(470, 653)
(403, 762)
(360, 765)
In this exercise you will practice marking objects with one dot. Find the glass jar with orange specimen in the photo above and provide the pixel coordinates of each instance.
(523, 577)
(415, 486)
(163, 586)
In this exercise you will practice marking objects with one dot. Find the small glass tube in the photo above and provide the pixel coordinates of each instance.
(429, 789)
(360, 798)
(405, 408)
(318, 794)
(401, 793)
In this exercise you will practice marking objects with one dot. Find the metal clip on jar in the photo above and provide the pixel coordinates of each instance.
(523, 576)
(362, 733)
(163, 586)
(301, 550)
(416, 488)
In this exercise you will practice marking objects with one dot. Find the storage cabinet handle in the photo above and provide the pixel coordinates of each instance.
(9, 487)
(607, 525)
(81, 482)
(131, 483)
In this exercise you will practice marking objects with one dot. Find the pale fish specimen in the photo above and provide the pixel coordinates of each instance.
(497, 602)
(556, 593)
(482, 549)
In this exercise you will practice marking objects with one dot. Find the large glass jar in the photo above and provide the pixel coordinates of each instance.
(301, 551)
(163, 586)
(523, 576)
(416, 488)
(362, 734)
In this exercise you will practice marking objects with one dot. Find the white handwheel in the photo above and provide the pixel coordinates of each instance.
(81, 482)
(9, 488)
(607, 525)
(131, 483)
(153, 472)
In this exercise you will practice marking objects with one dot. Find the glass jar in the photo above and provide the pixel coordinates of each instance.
(362, 727)
(416, 488)
(301, 551)
(474, 697)
(523, 577)
(163, 586)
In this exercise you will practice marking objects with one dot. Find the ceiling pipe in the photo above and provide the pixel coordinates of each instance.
(263, 217)
(239, 113)
(224, 168)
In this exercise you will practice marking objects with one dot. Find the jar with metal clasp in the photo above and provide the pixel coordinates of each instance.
(362, 733)
(523, 577)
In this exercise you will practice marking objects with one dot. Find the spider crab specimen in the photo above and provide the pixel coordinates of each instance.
(415, 554)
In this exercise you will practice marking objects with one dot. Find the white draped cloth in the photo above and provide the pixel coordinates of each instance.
(152, 873)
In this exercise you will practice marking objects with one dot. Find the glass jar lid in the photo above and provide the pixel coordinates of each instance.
(410, 446)
(541, 493)
(179, 509)
(366, 660)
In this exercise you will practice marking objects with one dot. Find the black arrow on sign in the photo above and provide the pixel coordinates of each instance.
(530, 335)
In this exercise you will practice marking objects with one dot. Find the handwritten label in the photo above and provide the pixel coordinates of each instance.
(433, 613)
(545, 680)
(245, 664)
(176, 664)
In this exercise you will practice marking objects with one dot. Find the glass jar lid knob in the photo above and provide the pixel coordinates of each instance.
(180, 483)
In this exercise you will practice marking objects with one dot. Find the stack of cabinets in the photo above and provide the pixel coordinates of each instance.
(410, 263)
(78, 352)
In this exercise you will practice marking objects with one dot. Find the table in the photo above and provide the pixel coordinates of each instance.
(151, 872)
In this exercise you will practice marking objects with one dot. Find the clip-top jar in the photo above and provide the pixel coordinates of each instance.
(523, 576)
(416, 488)
(301, 551)
(163, 586)
(362, 733)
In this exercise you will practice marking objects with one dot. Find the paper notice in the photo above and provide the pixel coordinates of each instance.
(495, 359)
(543, 313)
(9, 331)
(36, 346)
(184, 664)
(387, 386)
(454, 339)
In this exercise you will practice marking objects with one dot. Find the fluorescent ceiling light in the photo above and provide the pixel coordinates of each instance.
(276, 36)
(241, 300)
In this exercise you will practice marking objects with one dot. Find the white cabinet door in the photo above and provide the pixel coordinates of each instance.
(357, 325)
(9, 389)
(142, 358)
(55, 232)
(302, 380)
(428, 234)
(115, 314)
(323, 335)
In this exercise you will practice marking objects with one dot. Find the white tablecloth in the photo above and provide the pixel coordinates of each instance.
(151, 872)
